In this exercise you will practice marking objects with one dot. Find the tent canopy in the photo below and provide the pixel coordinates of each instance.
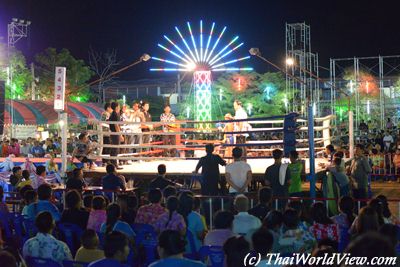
(42, 112)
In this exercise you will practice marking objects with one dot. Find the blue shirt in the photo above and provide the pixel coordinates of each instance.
(171, 262)
(112, 182)
(42, 205)
(37, 150)
(107, 263)
(120, 226)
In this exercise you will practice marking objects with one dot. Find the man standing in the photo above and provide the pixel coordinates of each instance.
(278, 177)
(360, 169)
(209, 165)
(168, 139)
(146, 127)
(115, 128)
(136, 116)
(105, 116)
(388, 141)
(238, 174)
(240, 126)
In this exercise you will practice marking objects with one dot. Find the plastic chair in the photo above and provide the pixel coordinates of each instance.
(146, 240)
(192, 246)
(75, 264)
(41, 262)
(213, 255)
(71, 234)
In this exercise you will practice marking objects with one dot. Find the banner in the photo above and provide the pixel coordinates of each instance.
(24, 131)
(59, 88)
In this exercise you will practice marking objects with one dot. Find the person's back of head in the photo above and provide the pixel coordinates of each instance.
(26, 175)
(235, 249)
(391, 232)
(107, 106)
(291, 219)
(73, 199)
(277, 154)
(116, 246)
(162, 169)
(330, 148)
(318, 214)
(273, 220)
(262, 240)
(376, 204)
(293, 155)
(113, 214)
(170, 243)
(155, 196)
(87, 201)
(30, 196)
(237, 153)
(98, 203)
(132, 202)
(371, 245)
(7, 259)
(241, 203)
(44, 192)
(44, 222)
(385, 206)
(169, 191)
(89, 239)
(339, 154)
(114, 105)
(223, 219)
(367, 220)
(16, 169)
(209, 148)
(76, 173)
(41, 170)
(172, 204)
(265, 195)
(346, 205)
(110, 168)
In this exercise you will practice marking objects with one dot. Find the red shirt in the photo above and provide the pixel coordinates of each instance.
(323, 231)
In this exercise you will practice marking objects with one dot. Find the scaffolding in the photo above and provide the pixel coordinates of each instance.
(304, 68)
(371, 85)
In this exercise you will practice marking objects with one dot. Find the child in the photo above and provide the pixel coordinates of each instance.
(89, 251)
(98, 214)
(25, 179)
(340, 176)
(30, 197)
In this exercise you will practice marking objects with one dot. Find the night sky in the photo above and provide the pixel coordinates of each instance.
(338, 28)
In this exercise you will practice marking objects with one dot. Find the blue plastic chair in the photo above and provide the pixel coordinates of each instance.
(213, 256)
(146, 239)
(192, 246)
(71, 234)
(41, 262)
(75, 264)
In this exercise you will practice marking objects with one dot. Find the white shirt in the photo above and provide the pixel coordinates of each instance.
(241, 114)
(245, 224)
(388, 139)
(238, 171)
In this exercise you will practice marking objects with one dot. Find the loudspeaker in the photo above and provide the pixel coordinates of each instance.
(2, 105)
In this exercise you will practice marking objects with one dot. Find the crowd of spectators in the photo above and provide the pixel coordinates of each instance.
(181, 223)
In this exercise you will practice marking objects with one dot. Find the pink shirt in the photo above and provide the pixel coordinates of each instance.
(148, 214)
(176, 222)
(96, 219)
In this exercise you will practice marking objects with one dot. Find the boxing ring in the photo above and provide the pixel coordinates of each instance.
(263, 135)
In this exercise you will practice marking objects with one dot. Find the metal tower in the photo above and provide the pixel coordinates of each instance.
(302, 64)
(17, 29)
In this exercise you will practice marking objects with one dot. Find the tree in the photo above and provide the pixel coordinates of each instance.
(19, 73)
(103, 64)
(261, 94)
(78, 73)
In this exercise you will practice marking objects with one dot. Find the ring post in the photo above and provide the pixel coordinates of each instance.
(351, 134)
(311, 150)
(64, 133)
